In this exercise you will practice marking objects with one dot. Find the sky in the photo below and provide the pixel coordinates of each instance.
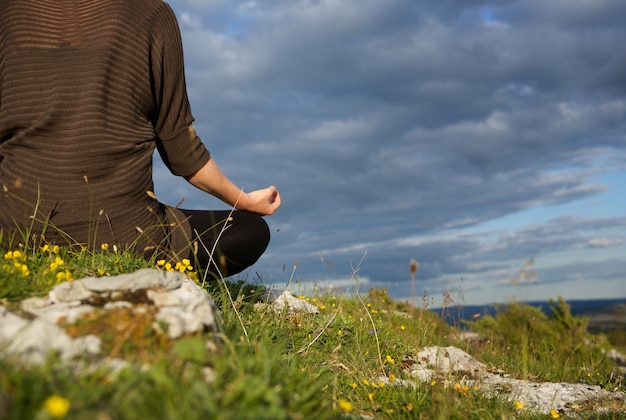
(477, 138)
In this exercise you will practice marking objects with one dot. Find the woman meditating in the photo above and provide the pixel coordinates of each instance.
(88, 90)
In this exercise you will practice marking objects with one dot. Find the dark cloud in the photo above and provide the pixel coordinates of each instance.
(396, 128)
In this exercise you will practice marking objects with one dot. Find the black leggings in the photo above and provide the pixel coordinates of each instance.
(241, 240)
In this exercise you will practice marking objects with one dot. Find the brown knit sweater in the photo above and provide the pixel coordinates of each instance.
(88, 90)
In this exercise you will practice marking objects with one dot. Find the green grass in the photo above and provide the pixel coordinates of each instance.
(286, 366)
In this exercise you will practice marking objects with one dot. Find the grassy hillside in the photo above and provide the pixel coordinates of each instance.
(288, 366)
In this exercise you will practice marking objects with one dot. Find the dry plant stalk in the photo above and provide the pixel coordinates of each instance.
(223, 281)
(413, 267)
(355, 270)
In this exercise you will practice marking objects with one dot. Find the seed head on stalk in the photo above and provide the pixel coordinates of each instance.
(413, 267)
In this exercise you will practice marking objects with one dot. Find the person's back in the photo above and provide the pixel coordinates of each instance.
(88, 90)
(82, 100)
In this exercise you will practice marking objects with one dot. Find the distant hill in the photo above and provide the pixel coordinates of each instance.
(604, 314)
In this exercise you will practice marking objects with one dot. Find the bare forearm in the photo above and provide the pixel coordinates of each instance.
(212, 180)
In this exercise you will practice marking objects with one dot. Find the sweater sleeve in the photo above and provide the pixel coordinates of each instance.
(180, 148)
(183, 154)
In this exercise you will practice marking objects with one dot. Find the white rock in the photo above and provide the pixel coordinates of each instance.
(10, 325)
(538, 397)
(182, 304)
(119, 304)
(422, 373)
(68, 312)
(450, 359)
(35, 340)
(186, 310)
(147, 278)
(35, 303)
(178, 321)
(67, 292)
(293, 304)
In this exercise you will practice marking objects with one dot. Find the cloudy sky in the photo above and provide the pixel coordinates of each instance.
(473, 137)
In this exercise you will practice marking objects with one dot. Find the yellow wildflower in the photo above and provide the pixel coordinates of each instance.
(17, 268)
(371, 397)
(519, 405)
(353, 385)
(24, 270)
(57, 406)
(64, 276)
(554, 414)
(463, 389)
(389, 359)
(58, 262)
(14, 255)
(345, 406)
(392, 377)
(193, 276)
(402, 327)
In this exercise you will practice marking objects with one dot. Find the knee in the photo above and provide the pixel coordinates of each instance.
(257, 230)
(246, 242)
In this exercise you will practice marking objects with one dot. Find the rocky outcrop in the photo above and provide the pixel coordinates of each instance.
(286, 301)
(178, 307)
(32, 341)
(177, 303)
(452, 365)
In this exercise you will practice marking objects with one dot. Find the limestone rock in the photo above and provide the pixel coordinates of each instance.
(55, 313)
(182, 305)
(32, 341)
(186, 310)
(287, 300)
(451, 362)
(546, 396)
(450, 359)
(97, 289)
